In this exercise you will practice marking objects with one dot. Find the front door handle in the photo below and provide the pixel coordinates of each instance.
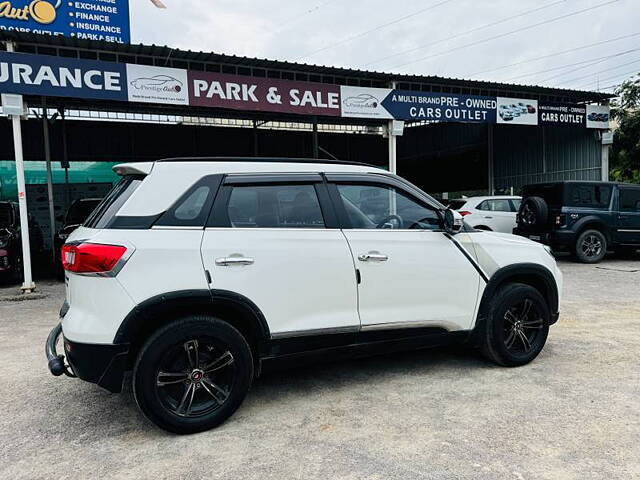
(232, 261)
(373, 257)
(488, 217)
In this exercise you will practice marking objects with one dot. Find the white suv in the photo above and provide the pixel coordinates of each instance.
(198, 273)
(495, 214)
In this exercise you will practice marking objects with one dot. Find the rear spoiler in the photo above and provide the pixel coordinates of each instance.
(141, 168)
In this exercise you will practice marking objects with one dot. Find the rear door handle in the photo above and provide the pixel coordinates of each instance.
(233, 261)
(488, 217)
(373, 257)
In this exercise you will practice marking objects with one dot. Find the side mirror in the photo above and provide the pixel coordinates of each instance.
(452, 221)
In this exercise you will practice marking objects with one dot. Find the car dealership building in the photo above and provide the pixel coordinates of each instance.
(108, 103)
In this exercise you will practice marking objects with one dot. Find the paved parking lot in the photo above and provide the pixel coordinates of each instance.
(572, 414)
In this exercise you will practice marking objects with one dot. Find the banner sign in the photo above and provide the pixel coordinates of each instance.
(263, 94)
(441, 107)
(562, 114)
(359, 102)
(67, 77)
(106, 20)
(62, 77)
(157, 85)
(517, 111)
(597, 116)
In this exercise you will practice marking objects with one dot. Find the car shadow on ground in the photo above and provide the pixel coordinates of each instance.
(94, 407)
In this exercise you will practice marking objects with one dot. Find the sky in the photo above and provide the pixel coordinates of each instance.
(578, 44)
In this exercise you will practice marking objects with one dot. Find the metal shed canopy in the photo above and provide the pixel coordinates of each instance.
(165, 56)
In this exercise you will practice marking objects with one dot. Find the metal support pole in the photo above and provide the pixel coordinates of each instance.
(605, 163)
(27, 286)
(492, 188)
(393, 150)
(65, 160)
(47, 157)
(316, 152)
(255, 138)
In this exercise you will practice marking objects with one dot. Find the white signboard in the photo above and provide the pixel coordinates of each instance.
(157, 85)
(598, 116)
(517, 111)
(359, 102)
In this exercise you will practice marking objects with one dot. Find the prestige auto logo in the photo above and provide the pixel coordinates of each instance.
(363, 101)
(158, 83)
(42, 11)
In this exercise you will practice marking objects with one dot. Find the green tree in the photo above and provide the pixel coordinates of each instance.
(625, 152)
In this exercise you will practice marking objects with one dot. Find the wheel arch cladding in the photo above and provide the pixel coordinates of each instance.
(592, 222)
(155, 312)
(530, 274)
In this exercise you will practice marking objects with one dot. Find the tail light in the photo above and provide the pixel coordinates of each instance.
(93, 258)
(464, 213)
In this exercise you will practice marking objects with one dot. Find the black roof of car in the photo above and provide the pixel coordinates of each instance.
(266, 160)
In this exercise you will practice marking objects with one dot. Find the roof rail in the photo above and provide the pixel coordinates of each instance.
(266, 160)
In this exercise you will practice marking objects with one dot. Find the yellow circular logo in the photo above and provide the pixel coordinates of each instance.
(42, 11)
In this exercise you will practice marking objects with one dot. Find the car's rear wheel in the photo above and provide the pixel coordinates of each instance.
(591, 246)
(517, 325)
(192, 374)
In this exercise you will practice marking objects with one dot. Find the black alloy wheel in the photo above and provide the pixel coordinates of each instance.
(192, 374)
(195, 378)
(522, 324)
(591, 246)
(517, 325)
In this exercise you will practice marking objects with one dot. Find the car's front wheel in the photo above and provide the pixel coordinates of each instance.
(517, 325)
(192, 374)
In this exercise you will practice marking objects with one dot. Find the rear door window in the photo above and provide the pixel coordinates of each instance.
(630, 200)
(594, 196)
(275, 206)
(115, 199)
(497, 205)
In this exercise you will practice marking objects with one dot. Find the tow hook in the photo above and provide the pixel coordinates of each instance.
(56, 363)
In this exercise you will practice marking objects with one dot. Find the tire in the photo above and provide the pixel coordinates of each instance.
(507, 322)
(192, 399)
(591, 246)
(533, 213)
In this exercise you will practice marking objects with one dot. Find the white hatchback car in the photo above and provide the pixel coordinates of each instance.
(198, 273)
(495, 214)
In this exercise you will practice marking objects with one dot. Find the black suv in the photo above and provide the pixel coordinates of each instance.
(585, 218)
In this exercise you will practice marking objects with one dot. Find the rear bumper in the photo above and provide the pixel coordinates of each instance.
(101, 364)
(559, 239)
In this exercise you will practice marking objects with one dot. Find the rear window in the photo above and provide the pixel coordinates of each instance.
(585, 195)
(80, 211)
(456, 204)
(550, 192)
(107, 209)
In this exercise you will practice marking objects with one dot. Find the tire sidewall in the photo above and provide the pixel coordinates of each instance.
(578, 247)
(505, 299)
(151, 356)
(540, 210)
